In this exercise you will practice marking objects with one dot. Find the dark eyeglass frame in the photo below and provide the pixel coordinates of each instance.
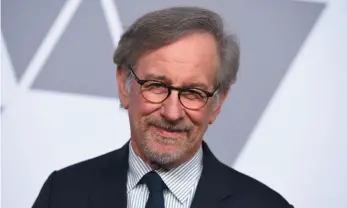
(170, 88)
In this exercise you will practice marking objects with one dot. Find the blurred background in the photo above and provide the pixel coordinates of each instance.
(284, 122)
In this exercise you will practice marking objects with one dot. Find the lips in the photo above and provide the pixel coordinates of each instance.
(169, 133)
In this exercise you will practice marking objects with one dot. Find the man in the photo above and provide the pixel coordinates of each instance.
(174, 69)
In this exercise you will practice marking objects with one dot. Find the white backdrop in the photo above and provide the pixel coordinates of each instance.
(307, 120)
(298, 146)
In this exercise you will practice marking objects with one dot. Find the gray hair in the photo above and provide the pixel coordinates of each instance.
(162, 27)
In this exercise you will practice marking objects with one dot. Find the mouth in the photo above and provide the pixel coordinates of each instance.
(170, 133)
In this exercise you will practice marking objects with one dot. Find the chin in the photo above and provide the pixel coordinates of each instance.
(164, 159)
(163, 145)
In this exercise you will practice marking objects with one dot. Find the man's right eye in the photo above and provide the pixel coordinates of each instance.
(156, 87)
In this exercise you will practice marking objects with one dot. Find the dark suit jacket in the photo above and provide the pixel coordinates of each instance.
(101, 183)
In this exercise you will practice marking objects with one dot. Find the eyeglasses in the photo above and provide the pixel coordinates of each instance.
(157, 92)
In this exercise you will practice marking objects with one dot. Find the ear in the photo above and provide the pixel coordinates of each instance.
(216, 108)
(122, 89)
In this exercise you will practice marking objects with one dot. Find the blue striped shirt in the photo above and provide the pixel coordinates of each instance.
(181, 181)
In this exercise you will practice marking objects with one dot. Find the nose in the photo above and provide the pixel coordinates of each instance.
(172, 108)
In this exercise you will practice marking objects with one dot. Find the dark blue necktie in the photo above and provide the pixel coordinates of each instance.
(155, 186)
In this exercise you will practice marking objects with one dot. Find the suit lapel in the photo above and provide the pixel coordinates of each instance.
(110, 187)
(212, 187)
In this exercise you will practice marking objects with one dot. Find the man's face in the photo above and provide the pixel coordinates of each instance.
(168, 133)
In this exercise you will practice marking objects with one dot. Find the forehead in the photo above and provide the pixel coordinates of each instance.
(193, 57)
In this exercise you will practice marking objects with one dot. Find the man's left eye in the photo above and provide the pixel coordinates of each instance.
(193, 94)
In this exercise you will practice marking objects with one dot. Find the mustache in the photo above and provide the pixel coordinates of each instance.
(169, 126)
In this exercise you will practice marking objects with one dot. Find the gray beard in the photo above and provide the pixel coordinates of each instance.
(162, 160)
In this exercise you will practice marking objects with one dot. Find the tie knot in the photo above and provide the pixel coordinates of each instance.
(153, 181)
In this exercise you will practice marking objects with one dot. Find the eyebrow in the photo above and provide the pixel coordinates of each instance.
(196, 84)
(158, 77)
(193, 84)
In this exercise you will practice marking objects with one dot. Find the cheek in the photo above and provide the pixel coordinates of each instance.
(200, 119)
(140, 107)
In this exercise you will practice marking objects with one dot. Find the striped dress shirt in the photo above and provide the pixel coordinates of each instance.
(181, 182)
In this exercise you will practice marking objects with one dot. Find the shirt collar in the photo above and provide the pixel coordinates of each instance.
(137, 169)
(180, 181)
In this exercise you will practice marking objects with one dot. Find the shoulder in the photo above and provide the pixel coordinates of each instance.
(251, 192)
(70, 186)
(244, 190)
(89, 165)
(84, 173)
